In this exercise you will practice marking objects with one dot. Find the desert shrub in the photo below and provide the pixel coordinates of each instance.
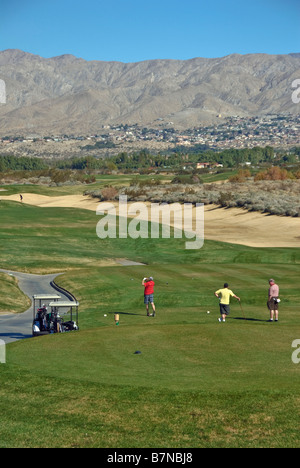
(60, 176)
(213, 197)
(84, 178)
(135, 193)
(189, 191)
(297, 174)
(241, 176)
(145, 183)
(188, 179)
(94, 194)
(171, 189)
(109, 193)
(280, 197)
(149, 183)
(294, 212)
(274, 173)
(258, 207)
(225, 198)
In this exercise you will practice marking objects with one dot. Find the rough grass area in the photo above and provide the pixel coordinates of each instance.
(12, 300)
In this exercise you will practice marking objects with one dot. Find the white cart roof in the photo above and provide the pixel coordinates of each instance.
(64, 304)
(45, 297)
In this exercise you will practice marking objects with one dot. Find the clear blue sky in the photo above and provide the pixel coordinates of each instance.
(136, 30)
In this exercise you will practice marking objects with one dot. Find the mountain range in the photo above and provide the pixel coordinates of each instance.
(69, 95)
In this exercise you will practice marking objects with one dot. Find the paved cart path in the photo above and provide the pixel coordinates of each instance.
(15, 327)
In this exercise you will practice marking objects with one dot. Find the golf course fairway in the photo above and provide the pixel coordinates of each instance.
(195, 383)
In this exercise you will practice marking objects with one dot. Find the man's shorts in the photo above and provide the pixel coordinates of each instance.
(149, 299)
(224, 309)
(272, 304)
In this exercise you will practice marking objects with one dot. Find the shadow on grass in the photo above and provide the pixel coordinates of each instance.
(15, 335)
(245, 319)
(127, 313)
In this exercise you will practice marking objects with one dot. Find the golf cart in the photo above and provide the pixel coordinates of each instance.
(58, 317)
(40, 312)
(64, 316)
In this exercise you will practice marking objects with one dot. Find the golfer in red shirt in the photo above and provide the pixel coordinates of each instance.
(148, 284)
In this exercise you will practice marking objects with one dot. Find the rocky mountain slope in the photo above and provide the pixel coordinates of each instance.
(70, 95)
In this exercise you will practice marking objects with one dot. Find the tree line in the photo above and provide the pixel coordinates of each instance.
(229, 158)
(143, 159)
(14, 163)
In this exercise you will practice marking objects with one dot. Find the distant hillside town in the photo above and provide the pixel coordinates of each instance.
(235, 132)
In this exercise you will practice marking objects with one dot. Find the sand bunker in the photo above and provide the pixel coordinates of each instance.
(232, 225)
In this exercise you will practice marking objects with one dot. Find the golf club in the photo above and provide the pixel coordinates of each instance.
(242, 310)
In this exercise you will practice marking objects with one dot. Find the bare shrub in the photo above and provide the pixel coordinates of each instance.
(274, 173)
(109, 193)
(241, 176)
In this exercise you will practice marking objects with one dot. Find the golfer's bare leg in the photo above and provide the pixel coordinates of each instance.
(153, 306)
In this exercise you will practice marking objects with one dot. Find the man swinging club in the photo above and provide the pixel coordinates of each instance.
(224, 295)
(149, 284)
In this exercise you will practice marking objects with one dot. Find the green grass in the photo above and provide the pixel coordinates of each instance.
(38, 239)
(216, 177)
(12, 300)
(197, 383)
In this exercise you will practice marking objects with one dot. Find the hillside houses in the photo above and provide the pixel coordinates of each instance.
(233, 132)
(208, 165)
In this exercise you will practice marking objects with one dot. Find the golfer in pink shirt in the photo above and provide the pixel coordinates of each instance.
(273, 300)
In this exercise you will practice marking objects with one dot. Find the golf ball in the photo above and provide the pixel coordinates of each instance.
(208, 312)
(105, 315)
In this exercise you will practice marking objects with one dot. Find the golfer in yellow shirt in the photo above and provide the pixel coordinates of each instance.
(224, 295)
